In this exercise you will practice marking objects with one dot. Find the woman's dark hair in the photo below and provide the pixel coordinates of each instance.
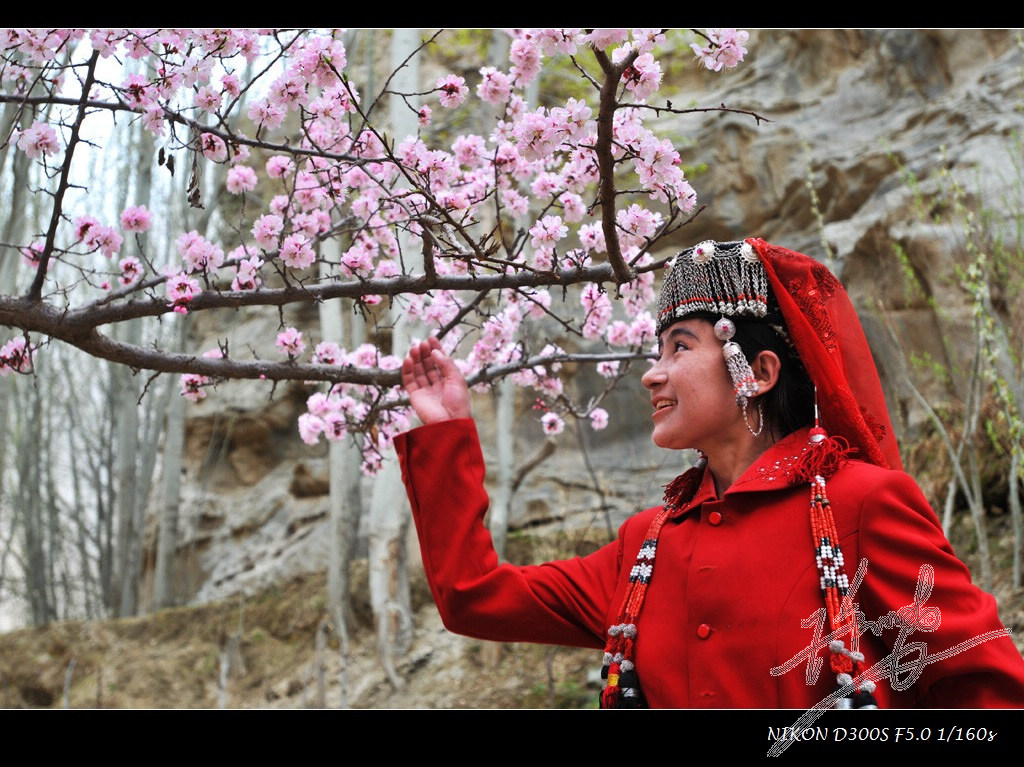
(790, 403)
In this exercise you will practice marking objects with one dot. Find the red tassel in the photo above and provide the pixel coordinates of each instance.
(823, 459)
(681, 490)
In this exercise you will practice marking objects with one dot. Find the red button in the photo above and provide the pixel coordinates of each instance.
(715, 518)
(703, 631)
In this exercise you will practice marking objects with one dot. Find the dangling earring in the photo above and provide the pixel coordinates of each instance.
(760, 419)
(742, 375)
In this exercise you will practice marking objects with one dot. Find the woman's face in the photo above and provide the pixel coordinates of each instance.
(692, 394)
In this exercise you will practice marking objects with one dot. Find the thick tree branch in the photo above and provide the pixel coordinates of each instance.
(606, 162)
(36, 291)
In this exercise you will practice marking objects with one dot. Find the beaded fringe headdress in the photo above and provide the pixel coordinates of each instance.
(731, 280)
(721, 278)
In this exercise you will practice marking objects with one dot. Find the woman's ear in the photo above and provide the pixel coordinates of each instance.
(766, 367)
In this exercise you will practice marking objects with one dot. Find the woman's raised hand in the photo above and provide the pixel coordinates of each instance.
(437, 390)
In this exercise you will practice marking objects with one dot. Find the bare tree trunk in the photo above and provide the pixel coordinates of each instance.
(344, 501)
(170, 498)
(389, 510)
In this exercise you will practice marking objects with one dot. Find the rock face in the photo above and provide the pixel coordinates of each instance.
(862, 131)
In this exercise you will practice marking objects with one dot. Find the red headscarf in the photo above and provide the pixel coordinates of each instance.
(827, 334)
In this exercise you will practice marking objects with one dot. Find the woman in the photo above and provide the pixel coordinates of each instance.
(791, 543)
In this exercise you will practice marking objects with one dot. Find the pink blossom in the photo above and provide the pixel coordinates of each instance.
(572, 207)
(642, 329)
(515, 202)
(605, 38)
(559, 40)
(131, 271)
(328, 353)
(598, 308)
(525, 56)
(241, 178)
(335, 427)
(296, 252)
(319, 404)
(241, 154)
(495, 88)
(537, 135)
(193, 386)
(208, 99)
(424, 115)
(598, 418)
(213, 147)
(546, 184)
(365, 356)
(548, 231)
(453, 90)
(231, 85)
(31, 255)
(136, 218)
(248, 277)
(266, 115)
(267, 229)
(644, 40)
(725, 48)
(573, 119)
(83, 225)
(40, 139)
(592, 238)
(16, 356)
(638, 224)
(552, 423)
(608, 368)
(280, 166)
(105, 239)
(199, 254)
(153, 119)
(290, 342)
(643, 76)
(469, 150)
(618, 333)
(358, 260)
(137, 91)
(181, 289)
(310, 428)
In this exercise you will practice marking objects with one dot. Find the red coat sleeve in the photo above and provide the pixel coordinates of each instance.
(559, 602)
(899, 534)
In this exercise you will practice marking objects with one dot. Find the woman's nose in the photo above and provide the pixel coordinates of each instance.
(653, 376)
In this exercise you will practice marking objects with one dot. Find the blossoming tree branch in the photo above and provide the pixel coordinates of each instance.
(469, 238)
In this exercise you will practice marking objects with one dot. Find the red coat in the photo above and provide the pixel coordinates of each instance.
(734, 578)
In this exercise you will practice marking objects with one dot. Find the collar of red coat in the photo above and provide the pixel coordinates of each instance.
(772, 470)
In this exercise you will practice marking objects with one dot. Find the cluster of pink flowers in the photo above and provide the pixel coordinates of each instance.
(552, 423)
(96, 236)
(16, 356)
(181, 289)
(198, 253)
(136, 218)
(541, 158)
(32, 254)
(290, 342)
(296, 252)
(38, 141)
(241, 178)
(131, 271)
(725, 48)
(248, 275)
